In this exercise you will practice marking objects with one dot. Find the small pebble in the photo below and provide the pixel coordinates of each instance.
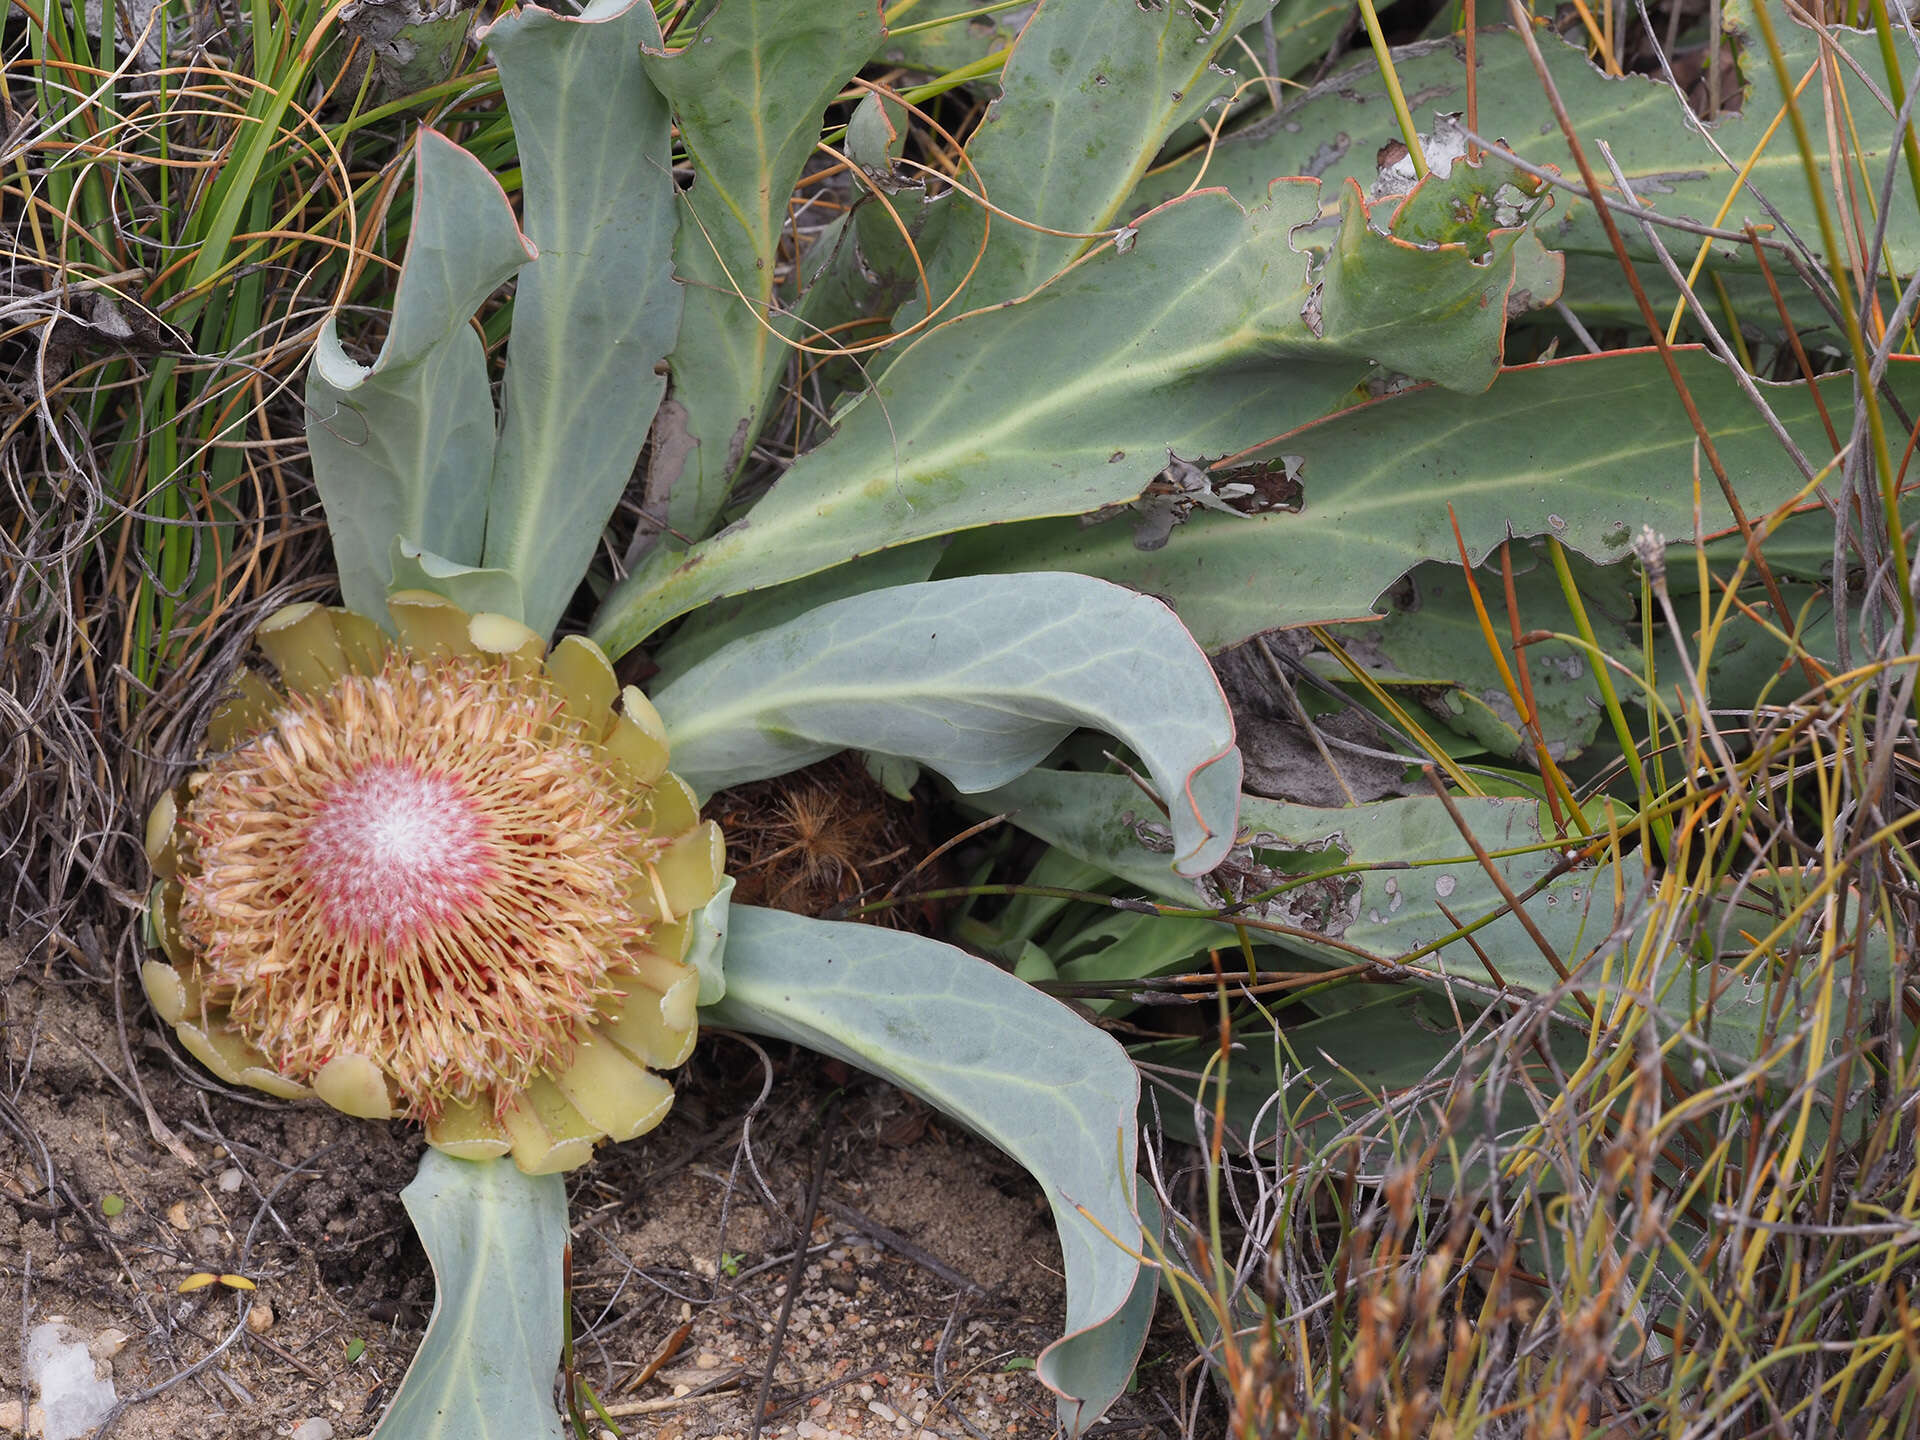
(883, 1410)
(706, 1360)
(230, 1180)
(177, 1216)
(260, 1318)
(315, 1428)
(107, 1344)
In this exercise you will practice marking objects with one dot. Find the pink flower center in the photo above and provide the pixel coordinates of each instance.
(394, 850)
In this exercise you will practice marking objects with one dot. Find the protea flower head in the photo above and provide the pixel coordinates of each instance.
(449, 878)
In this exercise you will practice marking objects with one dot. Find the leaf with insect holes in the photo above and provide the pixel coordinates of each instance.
(1395, 882)
(1214, 331)
(1336, 128)
(1018, 1067)
(1543, 452)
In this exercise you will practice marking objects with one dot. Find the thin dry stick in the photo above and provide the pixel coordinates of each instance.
(797, 1271)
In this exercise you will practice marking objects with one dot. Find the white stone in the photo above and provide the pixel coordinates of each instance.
(231, 1179)
(314, 1428)
(74, 1398)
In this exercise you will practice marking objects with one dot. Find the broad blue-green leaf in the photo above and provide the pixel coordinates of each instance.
(1089, 1369)
(1544, 452)
(1340, 1067)
(1799, 547)
(1021, 918)
(977, 679)
(1384, 913)
(1117, 948)
(729, 619)
(863, 267)
(1336, 917)
(593, 317)
(400, 448)
(485, 1369)
(1021, 1069)
(1301, 32)
(1087, 95)
(947, 46)
(1748, 666)
(748, 89)
(1431, 647)
(1208, 333)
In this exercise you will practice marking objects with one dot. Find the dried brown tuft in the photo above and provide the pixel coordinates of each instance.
(820, 839)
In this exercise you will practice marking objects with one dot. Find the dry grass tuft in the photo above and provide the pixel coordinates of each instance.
(820, 841)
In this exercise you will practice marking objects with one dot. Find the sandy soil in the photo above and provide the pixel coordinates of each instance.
(930, 1277)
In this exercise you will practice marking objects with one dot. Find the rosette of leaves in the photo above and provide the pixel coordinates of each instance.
(435, 762)
(1051, 399)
